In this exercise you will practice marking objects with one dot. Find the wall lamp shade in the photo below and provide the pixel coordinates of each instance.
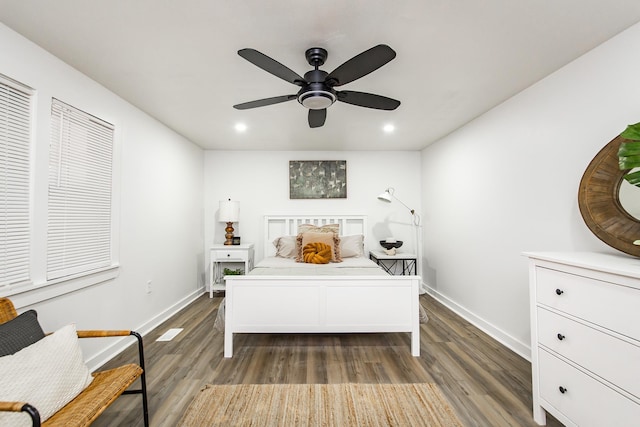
(386, 196)
(229, 212)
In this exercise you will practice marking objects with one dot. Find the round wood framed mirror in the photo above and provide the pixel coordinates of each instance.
(599, 202)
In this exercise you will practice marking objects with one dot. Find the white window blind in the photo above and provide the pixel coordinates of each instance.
(15, 140)
(80, 182)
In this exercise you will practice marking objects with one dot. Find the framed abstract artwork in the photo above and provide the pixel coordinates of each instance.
(317, 179)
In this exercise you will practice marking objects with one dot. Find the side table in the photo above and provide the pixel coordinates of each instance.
(405, 263)
(231, 255)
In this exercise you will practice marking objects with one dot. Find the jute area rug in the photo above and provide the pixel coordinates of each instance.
(320, 405)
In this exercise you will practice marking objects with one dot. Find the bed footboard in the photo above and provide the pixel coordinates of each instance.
(326, 304)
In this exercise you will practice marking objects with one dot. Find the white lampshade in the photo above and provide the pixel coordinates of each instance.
(386, 196)
(229, 211)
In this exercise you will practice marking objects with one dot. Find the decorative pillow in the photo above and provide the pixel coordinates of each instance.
(330, 239)
(316, 253)
(20, 332)
(327, 228)
(352, 246)
(47, 374)
(285, 246)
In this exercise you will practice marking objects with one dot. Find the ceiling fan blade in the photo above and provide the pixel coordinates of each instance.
(271, 66)
(264, 102)
(317, 118)
(361, 65)
(369, 100)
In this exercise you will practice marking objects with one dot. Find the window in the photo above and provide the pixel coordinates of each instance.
(15, 141)
(80, 192)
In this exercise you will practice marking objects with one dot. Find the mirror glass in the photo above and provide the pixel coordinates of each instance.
(629, 197)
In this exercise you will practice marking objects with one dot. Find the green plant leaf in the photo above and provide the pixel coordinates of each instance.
(629, 154)
(230, 272)
(632, 132)
(633, 178)
(629, 162)
(629, 149)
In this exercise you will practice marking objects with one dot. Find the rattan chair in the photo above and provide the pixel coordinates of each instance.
(105, 388)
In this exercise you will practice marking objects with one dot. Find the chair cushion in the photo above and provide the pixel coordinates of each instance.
(19, 333)
(47, 374)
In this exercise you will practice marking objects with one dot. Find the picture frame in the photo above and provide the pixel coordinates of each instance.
(236, 240)
(317, 179)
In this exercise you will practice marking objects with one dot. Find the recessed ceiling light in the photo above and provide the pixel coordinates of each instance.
(388, 128)
(240, 127)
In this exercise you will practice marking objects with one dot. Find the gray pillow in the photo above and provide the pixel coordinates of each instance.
(19, 333)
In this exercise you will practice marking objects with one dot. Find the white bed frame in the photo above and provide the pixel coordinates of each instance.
(320, 304)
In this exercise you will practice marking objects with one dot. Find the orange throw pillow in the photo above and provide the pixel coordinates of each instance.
(330, 239)
(316, 253)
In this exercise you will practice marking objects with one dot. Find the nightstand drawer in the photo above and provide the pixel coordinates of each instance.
(581, 398)
(577, 342)
(230, 255)
(606, 304)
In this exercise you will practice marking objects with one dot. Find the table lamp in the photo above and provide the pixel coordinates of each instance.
(229, 213)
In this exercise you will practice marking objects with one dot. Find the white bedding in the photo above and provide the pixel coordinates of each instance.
(278, 266)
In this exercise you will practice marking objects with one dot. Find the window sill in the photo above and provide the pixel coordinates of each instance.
(26, 295)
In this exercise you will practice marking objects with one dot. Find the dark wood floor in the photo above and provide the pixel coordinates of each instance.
(487, 384)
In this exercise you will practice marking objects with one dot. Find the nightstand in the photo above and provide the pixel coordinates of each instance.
(403, 263)
(228, 256)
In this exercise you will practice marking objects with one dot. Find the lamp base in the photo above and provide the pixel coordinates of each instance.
(229, 234)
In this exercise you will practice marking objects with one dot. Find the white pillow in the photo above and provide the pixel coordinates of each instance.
(352, 246)
(47, 374)
(285, 246)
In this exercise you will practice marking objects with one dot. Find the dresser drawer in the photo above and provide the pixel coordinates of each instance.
(614, 307)
(230, 255)
(596, 351)
(585, 401)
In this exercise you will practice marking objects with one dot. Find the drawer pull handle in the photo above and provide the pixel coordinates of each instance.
(562, 390)
(559, 292)
(228, 255)
(560, 337)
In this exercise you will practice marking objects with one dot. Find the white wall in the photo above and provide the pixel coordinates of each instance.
(260, 182)
(160, 204)
(508, 182)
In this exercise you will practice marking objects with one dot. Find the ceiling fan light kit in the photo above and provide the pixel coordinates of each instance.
(316, 99)
(317, 91)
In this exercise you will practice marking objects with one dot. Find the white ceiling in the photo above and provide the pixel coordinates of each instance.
(177, 59)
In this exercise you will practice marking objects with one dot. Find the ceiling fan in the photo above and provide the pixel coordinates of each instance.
(317, 86)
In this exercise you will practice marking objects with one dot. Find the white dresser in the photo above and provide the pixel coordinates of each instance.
(585, 338)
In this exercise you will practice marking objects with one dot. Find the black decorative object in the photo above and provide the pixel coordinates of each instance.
(390, 245)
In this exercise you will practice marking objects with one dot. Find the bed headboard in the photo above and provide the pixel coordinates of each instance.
(287, 225)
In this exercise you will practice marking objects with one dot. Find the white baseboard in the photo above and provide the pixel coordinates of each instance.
(120, 345)
(520, 348)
